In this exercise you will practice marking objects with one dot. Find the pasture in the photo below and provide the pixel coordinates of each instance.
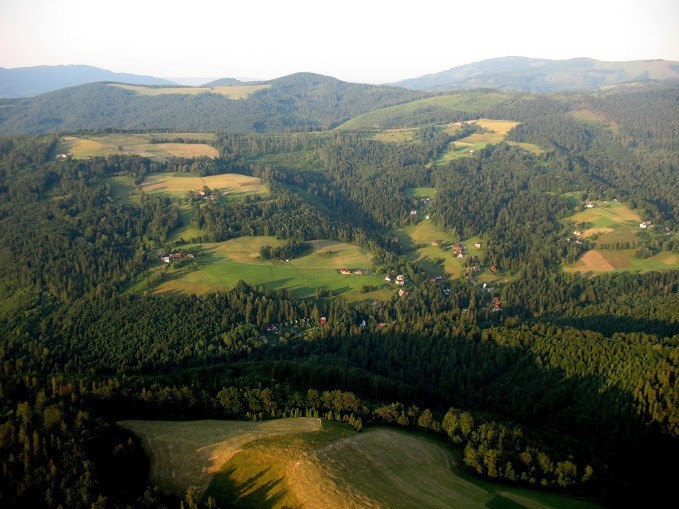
(234, 92)
(307, 462)
(178, 184)
(81, 147)
(188, 453)
(421, 192)
(405, 135)
(223, 264)
(610, 223)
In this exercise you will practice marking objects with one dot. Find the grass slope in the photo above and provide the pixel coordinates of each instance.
(223, 264)
(178, 184)
(310, 463)
(426, 111)
(610, 223)
(235, 92)
(188, 453)
(81, 147)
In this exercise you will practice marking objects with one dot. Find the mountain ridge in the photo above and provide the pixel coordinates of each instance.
(542, 75)
(31, 81)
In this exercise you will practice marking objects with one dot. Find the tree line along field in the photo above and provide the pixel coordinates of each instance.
(221, 265)
(235, 92)
(306, 462)
(193, 145)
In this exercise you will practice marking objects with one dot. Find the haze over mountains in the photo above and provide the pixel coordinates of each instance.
(541, 75)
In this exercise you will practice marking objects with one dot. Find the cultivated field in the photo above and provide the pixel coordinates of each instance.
(235, 92)
(81, 147)
(421, 192)
(610, 223)
(223, 264)
(188, 453)
(124, 190)
(178, 184)
(310, 463)
(495, 132)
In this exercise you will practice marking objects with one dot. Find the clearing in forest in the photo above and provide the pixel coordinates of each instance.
(142, 144)
(178, 184)
(235, 92)
(221, 265)
(306, 462)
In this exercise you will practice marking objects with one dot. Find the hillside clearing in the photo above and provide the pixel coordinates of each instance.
(235, 92)
(178, 184)
(81, 147)
(188, 453)
(221, 265)
(306, 462)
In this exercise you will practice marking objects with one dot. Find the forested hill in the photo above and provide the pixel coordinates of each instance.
(30, 81)
(296, 102)
(541, 75)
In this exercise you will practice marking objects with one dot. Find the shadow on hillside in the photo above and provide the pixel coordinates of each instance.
(609, 325)
(255, 492)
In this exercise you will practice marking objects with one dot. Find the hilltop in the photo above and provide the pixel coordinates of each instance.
(542, 75)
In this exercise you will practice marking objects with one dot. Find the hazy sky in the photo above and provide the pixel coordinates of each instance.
(366, 41)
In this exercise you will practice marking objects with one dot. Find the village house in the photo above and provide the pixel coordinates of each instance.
(413, 212)
(400, 280)
(345, 271)
(590, 205)
(435, 243)
(403, 293)
(165, 259)
(388, 279)
(477, 245)
(645, 224)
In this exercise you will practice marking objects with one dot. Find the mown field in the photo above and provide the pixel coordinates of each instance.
(306, 462)
(82, 146)
(178, 184)
(608, 224)
(221, 265)
(235, 92)
(495, 132)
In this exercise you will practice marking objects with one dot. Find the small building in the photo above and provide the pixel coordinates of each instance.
(387, 279)
(435, 243)
(323, 320)
(345, 272)
(382, 324)
(403, 293)
(645, 224)
(493, 268)
(477, 245)
(400, 280)
(165, 259)
(413, 212)
(590, 205)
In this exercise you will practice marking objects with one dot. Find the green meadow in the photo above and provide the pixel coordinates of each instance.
(308, 462)
(221, 265)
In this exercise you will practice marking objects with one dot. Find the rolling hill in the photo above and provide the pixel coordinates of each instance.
(297, 102)
(30, 81)
(541, 75)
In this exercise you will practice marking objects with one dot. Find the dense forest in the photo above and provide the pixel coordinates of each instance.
(570, 385)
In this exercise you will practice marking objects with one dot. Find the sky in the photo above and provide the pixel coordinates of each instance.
(359, 41)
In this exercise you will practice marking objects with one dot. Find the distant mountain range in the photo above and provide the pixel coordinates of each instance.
(30, 81)
(541, 75)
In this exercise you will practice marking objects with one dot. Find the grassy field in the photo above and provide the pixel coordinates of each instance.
(402, 115)
(310, 463)
(124, 190)
(223, 264)
(440, 260)
(178, 184)
(610, 223)
(495, 132)
(235, 92)
(421, 192)
(188, 453)
(81, 147)
(405, 135)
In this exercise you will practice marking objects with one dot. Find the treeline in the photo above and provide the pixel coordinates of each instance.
(288, 250)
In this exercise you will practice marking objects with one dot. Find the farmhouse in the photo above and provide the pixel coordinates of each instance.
(345, 271)
(590, 205)
(388, 279)
(645, 224)
(413, 212)
(435, 243)
(477, 245)
(400, 280)
(165, 259)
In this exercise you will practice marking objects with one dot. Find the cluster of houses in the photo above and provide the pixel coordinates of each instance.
(175, 257)
(358, 272)
(400, 280)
